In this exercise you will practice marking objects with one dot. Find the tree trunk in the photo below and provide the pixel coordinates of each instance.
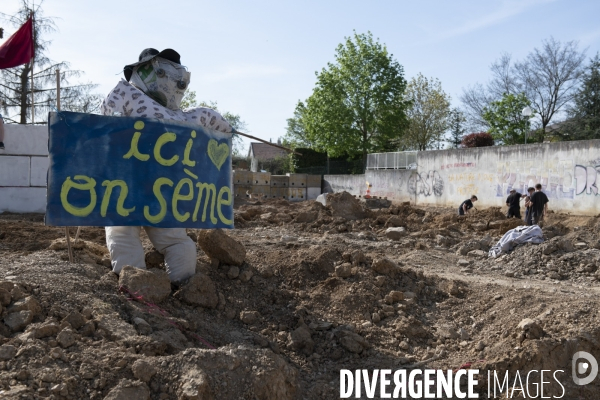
(24, 86)
(543, 131)
(364, 151)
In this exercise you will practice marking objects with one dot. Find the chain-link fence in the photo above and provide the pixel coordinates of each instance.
(397, 160)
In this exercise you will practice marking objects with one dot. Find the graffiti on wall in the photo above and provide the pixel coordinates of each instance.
(586, 178)
(556, 176)
(560, 179)
(468, 190)
(469, 183)
(459, 165)
(470, 177)
(340, 188)
(426, 184)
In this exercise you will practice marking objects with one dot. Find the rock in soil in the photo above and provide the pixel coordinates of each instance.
(395, 233)
(385, 266)
(66, 338)
(217, 244)
(195, 386)
(344, 270)
(199, 291)
(153, 286)
(250, 317)
(301, 339)
(346, 206)
(143, 370)
(7, 352)
(128, 390)
(17, 321)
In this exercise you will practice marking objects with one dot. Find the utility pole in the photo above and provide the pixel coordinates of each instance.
(526, 113)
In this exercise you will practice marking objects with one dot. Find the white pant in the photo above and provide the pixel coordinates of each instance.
(179, 250)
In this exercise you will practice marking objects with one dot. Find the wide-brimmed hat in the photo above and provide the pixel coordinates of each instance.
(148, 54)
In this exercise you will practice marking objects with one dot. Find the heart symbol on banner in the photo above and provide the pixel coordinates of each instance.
(218, 153)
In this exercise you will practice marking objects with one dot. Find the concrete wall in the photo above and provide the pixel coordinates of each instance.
(353, 184)
(293, 187)
(23, 168)
(568, 171)
(392, 184)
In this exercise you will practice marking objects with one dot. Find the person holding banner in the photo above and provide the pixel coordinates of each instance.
(153, 88)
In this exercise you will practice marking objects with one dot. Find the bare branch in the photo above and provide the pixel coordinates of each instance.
(548, 76)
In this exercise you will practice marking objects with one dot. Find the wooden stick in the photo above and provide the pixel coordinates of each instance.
(77, 234)
(67, 235)
(269, 143)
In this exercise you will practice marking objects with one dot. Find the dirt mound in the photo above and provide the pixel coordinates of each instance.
(344, 205)
(315, 293)
(560, 258)
(489, 214)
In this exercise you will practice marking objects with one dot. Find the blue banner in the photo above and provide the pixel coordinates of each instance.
(107, 171)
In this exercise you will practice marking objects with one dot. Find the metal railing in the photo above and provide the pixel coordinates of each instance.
(397, 160)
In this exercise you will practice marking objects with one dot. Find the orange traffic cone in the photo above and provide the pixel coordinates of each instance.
(368, 194)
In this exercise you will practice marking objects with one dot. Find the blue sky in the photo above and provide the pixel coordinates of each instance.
(258, 58)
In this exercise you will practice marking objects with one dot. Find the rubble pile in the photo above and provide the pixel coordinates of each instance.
(559, 258)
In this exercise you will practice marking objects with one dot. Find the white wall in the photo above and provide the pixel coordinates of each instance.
(568, 171)
(392, 183)
(14, 171)
(23, 168)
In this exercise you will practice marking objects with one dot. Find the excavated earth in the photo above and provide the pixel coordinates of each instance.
(295, 293)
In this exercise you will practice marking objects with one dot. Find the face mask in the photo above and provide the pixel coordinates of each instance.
(162, 80)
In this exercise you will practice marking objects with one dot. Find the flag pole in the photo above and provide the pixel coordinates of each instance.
(32, 63)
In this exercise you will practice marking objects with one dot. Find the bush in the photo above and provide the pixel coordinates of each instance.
(481, 139)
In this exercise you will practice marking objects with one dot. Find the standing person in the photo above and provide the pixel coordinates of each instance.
(1, 132)
(539, 205)
(528, 220)
(154, 88)
(466, 205)
(513, 202)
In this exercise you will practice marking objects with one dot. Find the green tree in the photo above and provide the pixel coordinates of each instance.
(295, 134)
(189, 100)
(583, 120)
(507, 125)
(15, 83)
(427, 114)
(358, 103)
(457, 131)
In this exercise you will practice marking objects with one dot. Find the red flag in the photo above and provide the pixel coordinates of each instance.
(18, 49)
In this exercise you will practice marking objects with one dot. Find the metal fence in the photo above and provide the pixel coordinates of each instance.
(398, 160)
(335, 167)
